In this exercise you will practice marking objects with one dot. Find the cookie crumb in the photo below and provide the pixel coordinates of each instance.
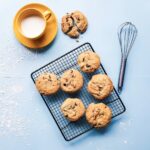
(77, 40)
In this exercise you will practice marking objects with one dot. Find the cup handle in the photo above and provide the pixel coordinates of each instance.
(47, 14)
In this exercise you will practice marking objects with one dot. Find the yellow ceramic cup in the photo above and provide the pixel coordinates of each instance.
(46, 16)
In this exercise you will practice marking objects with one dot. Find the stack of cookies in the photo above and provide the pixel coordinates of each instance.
(100, 86)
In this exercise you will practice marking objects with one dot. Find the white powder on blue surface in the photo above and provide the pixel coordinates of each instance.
(125, 141)
(11, 122)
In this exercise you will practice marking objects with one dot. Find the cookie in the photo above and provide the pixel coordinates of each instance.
(47, 83)
(88, 61)
(73, 109)
(74, 23)
(66, 23)
(98, 115)
(80, 21)
(100, 86)
(71, 81)
(73, 32)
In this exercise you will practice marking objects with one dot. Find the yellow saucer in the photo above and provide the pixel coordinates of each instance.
(47, 37)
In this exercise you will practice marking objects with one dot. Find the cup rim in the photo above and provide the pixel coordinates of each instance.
(40, 14)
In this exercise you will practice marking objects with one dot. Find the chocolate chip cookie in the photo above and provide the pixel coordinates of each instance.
(73, 109)
(88, 61)
(98, 115)
(100, 86)
(80, 21)
(74, 23)
(71, 81)
(47, 83)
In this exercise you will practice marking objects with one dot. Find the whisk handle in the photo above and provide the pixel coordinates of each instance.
(122, 73)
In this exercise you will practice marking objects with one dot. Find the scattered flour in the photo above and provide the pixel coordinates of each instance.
(125, 141)
(19, 60)
(11, 122)
(2, 92)
(2, 65)
(17, 88)
(98, 148)
(125, 125)
(90, 143)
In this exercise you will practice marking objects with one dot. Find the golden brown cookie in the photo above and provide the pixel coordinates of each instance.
(88, 61)
(67, 23)
(71, 81)
(98, 115)
(47, 83)
(73, 32)
(73, 109)
(100, 86)
(74, 23)
(80, 20)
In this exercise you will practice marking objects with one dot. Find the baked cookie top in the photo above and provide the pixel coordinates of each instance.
(80, 21)
(98, 115)
(100, 86)
(47, 83)
(74, 23)
(71, 81)
(66, 23)
(88, 61)
(73, 32)
(73, 109)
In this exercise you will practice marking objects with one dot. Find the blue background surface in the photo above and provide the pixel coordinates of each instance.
(25, 122)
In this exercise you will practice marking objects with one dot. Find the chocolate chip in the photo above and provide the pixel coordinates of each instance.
(100, 88)
(65, 84)
(88, 66)
(73, 76)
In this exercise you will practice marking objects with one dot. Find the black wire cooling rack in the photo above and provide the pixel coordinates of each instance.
(71, 130)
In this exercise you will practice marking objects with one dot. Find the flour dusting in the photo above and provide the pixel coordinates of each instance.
(11, 122)
(17, 88)
(125, 141)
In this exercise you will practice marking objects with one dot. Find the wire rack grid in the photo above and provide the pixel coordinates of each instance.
(71, 130)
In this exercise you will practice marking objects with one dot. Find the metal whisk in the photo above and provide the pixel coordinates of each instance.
(127, 33)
